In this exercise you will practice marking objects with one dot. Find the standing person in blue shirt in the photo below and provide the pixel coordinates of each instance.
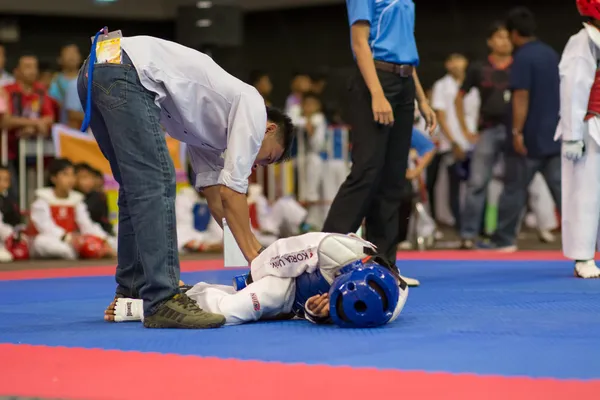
(535, 86)
(381, 113)
(69, 61)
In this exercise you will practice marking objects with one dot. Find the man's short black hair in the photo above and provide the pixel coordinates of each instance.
(522, 21)
(285, 131)
(495, 27)
(256, 75)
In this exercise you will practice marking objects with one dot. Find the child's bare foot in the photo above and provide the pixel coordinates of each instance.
(109, 313)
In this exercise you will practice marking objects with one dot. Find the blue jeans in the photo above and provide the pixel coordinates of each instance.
(519, 172)
(126, 124)
(485, 155)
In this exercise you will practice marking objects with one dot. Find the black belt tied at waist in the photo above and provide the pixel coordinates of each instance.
(404, 70)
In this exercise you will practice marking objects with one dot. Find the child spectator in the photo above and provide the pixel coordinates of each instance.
(270, 222)
(95, 199)
(10, 215)
(312, 121)
(60, 219)
(197, 230)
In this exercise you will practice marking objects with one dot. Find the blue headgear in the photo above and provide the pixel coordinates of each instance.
(363, 296)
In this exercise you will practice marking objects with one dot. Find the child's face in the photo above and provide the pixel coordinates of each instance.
(98, 183)
(64, 180)
(4, 180)
(310, 105)
(86, 181)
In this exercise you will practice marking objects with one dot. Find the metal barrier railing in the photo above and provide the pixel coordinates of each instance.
(26, 147)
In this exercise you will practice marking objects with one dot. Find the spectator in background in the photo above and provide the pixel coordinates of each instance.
(312, 122)
(60, 217)
(69, 62)
(300, 85)
(318, 82)
(46, 76)
(535, 85)
(491, 77)
(262, 82)
(30, 111)
(453, 146)
(5, 77)
(72, 107)
(95, 200)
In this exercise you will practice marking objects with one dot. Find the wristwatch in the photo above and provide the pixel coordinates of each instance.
(517, 132)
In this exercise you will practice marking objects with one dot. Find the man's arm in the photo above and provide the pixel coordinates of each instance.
(215, 205)
(520, 108)
(235, 210)
(439, 104)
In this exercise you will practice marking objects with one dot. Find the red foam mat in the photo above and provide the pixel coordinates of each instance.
(92, 374)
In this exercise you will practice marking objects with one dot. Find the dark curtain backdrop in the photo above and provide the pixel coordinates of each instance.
(308, 39)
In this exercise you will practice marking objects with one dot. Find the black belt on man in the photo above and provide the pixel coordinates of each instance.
(404, 70)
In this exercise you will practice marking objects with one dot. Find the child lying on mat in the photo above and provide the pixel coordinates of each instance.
(320, 277)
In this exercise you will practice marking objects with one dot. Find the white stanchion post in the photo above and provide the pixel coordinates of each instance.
(4, 147)
(260, 176)
(301, 164)
(39, 161)
(232, 254)
(22, 174)
(272, 189)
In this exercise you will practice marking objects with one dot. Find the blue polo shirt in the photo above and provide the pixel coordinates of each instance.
(535, 69)
(392, 34)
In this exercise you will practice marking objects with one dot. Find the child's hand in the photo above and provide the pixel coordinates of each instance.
(319, 305)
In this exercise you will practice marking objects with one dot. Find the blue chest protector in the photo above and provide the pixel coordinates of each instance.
(308, 285)
(201, 216)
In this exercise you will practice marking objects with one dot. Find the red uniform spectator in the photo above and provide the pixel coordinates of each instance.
(30, 111)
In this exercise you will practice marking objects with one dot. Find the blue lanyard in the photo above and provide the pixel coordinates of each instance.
(91, 63)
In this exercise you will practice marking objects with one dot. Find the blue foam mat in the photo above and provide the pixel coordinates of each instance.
(506, 318)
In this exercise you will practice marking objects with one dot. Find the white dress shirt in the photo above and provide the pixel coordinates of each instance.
(442, 98)
(577, 67)
(222, 119)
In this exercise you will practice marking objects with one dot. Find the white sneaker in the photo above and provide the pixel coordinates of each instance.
(546, 236)
(587, 270)
(411, 282)
(5, 256)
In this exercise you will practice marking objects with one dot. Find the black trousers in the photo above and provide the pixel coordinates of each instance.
(373, 190)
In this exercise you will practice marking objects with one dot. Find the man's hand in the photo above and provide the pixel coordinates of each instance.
(473, 138)
(459, 153)
(382, 110)
(319, 305)
(42, 128)
(519, 144)
(573, 149)
(428, 115)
